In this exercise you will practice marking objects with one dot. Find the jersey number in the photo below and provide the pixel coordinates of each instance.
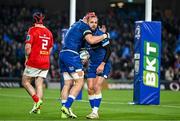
(44, 44)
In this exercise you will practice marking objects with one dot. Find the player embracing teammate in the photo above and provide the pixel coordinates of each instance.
(70, 62)
(99, 67)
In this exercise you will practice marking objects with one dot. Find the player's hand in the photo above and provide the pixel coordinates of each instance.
(106, 35)
(100, 68)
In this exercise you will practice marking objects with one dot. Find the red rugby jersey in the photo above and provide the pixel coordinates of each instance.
(41, 41)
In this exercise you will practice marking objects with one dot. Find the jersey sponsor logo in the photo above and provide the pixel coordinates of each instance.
(44, 37)
(28, 37)
(44, 52)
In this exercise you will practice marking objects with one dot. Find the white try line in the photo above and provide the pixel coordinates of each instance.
(86, 101)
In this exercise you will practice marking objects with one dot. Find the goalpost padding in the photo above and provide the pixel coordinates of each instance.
(147, 61)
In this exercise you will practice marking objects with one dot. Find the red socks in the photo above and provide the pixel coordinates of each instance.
(35, 98)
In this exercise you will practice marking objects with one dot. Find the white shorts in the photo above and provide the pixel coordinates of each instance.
(35, 72)
(72, 76)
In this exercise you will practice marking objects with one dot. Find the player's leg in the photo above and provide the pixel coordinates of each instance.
(91, 75)
(26, 82)
(74, 91)
(71, 63)
(98, 81)
(41, 75)
(28, 75)
(68, 83)
(98, 87)
(91, 95)
(39, 93)
(79, 82)
(39, 86)
(90, 83)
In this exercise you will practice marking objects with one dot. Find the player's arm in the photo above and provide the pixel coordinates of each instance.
(100, 68)
(27, 49)
(94, 39)
(28, 43)
(108, 53)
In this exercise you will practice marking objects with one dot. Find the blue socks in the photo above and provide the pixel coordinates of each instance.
(95, 101)
(91, 100)
(69, 101)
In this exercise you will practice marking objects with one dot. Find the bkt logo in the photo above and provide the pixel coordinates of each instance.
(151, 64)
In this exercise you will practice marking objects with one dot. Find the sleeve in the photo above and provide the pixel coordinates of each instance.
(29, 36)
(86, 31)
(105, 42)
(107, 47)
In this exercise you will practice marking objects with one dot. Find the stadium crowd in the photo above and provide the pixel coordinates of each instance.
(120, 24)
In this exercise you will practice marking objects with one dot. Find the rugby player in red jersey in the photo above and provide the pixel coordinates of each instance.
(38, 46)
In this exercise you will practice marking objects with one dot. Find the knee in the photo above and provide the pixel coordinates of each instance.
(97, 88)
(25, 83)
(90, 90)
(80, 83)
(67, 86)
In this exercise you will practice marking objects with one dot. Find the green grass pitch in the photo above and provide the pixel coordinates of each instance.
(15, 104)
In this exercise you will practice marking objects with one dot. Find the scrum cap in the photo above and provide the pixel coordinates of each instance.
(38, 17)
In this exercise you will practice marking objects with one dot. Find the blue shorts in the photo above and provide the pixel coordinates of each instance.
(91, 73)
(70, 62)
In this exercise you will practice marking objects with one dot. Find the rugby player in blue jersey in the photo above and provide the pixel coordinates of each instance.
(70, 62)
(99, 68)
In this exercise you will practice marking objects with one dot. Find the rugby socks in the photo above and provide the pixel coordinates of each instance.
(69, 101)
(97, 102)
(35, 98)
(91, 100)
(63, 102)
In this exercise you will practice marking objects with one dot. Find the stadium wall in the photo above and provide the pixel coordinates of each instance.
(113, 84)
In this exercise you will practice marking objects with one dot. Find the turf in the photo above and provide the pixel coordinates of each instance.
(16, 103)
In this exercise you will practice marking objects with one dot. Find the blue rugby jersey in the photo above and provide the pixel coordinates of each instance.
(97, 52)
(74, 39)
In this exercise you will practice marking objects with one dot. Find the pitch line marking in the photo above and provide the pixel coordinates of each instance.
(86, 101)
